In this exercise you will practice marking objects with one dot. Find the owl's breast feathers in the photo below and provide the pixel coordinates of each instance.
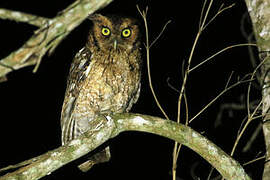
(112, 80)
(99, 83)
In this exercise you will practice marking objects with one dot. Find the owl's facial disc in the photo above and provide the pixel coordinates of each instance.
(115, 33)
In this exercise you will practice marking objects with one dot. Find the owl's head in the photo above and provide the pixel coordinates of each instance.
(114, 33)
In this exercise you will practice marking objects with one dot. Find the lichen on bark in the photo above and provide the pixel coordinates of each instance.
(259, 11)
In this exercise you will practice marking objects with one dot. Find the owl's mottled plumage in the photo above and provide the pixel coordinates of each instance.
(104, 78)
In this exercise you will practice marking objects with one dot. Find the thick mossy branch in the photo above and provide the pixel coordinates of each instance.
(260, 16)
(49, 35)
(115, 124)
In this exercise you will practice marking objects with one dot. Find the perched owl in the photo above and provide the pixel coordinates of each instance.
(104, 78)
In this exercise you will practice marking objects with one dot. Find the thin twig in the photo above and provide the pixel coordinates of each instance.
(190, 58)
(205, 16)
(202, 11)
(177, 148)
(244, 128)
(217, 53)
(249, 86)
(147, 47)
(218, 96)
(234, 106)
(229, 80)
(253, 137)
(221, 9)
(186, 122)
(161, 32)
(254, 160)
(171, 86)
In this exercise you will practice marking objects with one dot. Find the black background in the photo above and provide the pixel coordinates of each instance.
(30, 104)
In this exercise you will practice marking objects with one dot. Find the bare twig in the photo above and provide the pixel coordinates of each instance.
(147, 47)
(229, 80)
(202, 26)
(221, 9)
(233, 106)
(224, 49)
(250, 83)
(254, 160)
(218, 96)
(249, 37)
(161, 32)
(252, 138)
(202, 12)
(244, 128)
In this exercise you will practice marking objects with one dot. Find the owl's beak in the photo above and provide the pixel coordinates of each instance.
(115, 44)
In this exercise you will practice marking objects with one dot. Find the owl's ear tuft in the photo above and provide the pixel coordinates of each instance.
(96, 17)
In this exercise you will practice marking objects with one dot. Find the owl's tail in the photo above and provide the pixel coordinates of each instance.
(100, 157)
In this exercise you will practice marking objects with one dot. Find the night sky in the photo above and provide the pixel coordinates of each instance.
(30, 104)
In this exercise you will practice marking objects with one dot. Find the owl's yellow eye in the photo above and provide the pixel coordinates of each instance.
(105, 31)
(126, 32)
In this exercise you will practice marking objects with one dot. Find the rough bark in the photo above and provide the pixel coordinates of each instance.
(259, 11)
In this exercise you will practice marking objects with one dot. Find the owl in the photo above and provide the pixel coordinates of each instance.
(104, 79)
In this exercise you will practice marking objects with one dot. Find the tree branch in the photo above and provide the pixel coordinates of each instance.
(23, 17)
(49, 35)
(260, 17)
(115, 124)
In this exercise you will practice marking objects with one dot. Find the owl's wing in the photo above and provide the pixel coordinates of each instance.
(134, 99)
(77, 74)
